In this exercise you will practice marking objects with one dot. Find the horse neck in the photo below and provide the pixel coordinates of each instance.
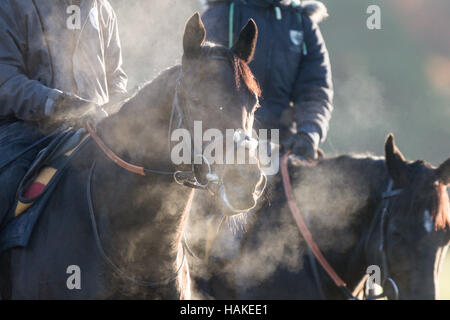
(141, 218)
(362, 182)
(355, 258)
(140, 129)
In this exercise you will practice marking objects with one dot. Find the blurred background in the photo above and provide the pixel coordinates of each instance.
(396, 79)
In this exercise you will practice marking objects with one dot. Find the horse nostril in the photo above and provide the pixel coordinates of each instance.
(243, 184)
(261, 186)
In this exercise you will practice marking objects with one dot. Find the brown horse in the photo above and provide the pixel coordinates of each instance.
(122, 231)
(356, 223)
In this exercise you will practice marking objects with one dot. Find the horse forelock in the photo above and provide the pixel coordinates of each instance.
(424, 189)
(441, 212)
(440, 207)
(242, 72)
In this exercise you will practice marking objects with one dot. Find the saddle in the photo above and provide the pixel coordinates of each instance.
(38, 184)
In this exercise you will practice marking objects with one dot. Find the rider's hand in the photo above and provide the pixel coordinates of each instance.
(93, 116)
(75, 110)
(301, 145)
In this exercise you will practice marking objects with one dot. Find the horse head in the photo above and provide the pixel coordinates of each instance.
(417, 224)
(217, 92)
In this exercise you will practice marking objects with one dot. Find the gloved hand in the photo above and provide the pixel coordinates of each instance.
(75, 110)
(301, 145)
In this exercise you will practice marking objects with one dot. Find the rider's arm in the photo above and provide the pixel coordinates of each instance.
(116, 76)
(20, 97)
(313, 94)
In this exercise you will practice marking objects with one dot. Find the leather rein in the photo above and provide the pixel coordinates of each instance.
(180, 177)
(106, 258)
(312, 245)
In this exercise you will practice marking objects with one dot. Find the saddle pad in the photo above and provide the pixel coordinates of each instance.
(38, 185)
(47, 173)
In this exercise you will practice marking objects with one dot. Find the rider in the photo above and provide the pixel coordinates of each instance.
(291, 63)
(59, 61)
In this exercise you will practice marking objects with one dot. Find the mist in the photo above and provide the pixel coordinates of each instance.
(384, 82)
(151, 34)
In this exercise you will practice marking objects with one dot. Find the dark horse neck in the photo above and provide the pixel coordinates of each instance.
(357, 195)
(141, 218)
(139, 131)
(339, 196)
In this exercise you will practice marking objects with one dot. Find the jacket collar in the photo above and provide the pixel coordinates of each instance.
(265, 3)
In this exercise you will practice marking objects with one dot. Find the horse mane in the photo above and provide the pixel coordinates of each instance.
(421, 173)
(242, 74)
(349, 162)
(157, 84)
(422, 186)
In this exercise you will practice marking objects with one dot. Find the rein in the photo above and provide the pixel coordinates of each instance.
(314, 248)
(105, 257)
(139, 170)
(180, 177)
(185, 178)
(114, 157)
(306, 233)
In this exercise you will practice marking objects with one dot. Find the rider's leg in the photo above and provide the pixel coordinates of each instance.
(15, 136)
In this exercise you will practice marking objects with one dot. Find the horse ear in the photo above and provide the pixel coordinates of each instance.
(245, 45)
(443, 172)
(194, 35)
(395, 161)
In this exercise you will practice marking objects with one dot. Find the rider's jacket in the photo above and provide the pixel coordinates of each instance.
(48, 47)
(291, 61)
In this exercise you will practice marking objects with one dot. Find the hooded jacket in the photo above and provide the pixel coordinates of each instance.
(48, 47)
(291, 61)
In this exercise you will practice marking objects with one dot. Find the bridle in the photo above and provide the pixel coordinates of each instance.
(183, 120)
(379, 220)
(212, 181)
(187, 178)
(184, 178)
